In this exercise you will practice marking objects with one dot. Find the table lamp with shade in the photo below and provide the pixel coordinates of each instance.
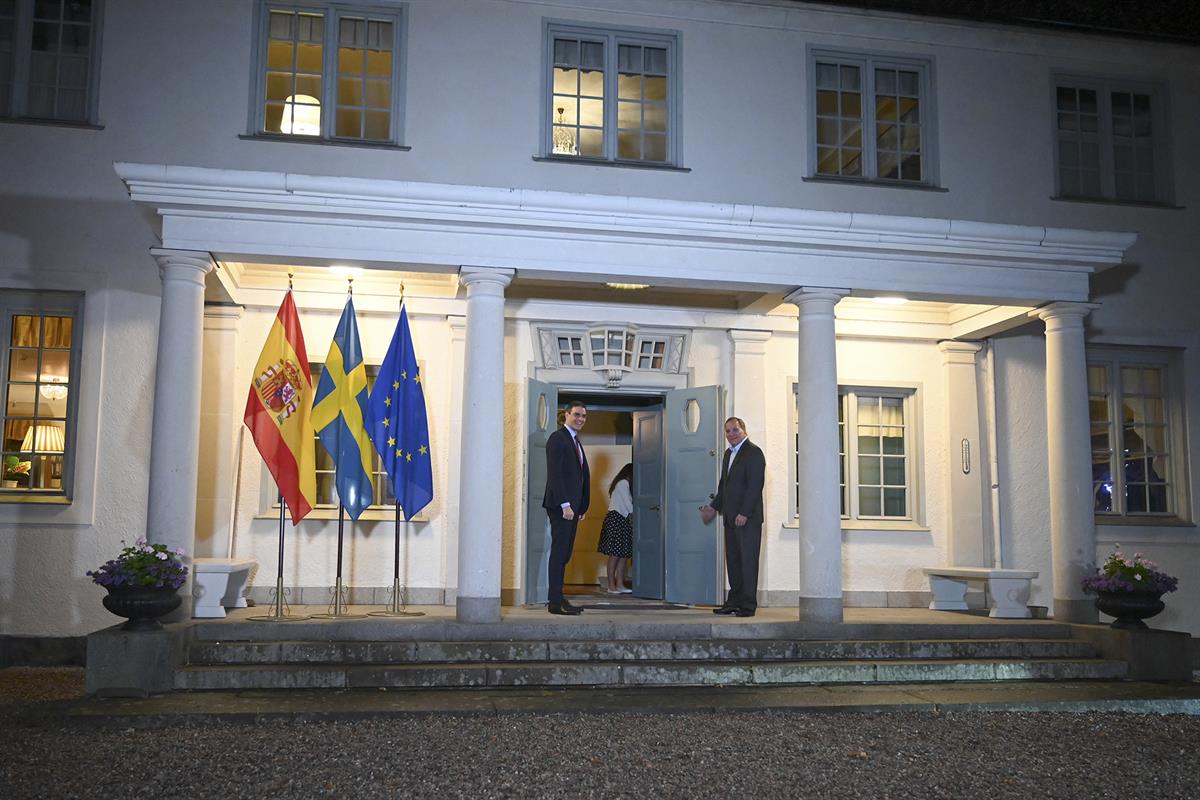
(43, 438)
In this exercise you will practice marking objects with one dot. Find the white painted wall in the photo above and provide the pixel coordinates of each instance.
(174, 89)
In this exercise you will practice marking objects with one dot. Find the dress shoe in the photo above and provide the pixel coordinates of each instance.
(744, 612)
(557, 608)
(725, 610)
(569, 606)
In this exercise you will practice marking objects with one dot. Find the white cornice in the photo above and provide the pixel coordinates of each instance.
(591, 236)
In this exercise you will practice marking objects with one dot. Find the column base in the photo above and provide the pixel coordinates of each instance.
(1081, 612)
(820, 609)
(475, 610)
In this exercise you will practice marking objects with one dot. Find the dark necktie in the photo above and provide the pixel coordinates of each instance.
(578, 449)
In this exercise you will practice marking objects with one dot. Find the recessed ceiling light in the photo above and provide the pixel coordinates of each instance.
(890, 301)
(345, 271)
(628, 285)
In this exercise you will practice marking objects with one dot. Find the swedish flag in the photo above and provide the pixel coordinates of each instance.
(339, 408)
(399, 426)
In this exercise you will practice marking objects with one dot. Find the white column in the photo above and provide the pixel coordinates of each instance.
(966, 480)
(175, 438)
(1068, 451)
(220, 421)
(481, 493)
(819, 509)
(458, 337)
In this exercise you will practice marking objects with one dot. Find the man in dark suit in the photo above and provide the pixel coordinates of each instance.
(739, 500)
(568, 491)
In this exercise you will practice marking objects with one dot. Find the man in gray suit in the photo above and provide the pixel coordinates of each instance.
(739, 501)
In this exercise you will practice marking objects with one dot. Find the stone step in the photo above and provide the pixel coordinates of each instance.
(595, 627)
(641, 673)
(467, 652)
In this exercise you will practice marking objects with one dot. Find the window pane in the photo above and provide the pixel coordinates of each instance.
(894, 503)
(869, 503)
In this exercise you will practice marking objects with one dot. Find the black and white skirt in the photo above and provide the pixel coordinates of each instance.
(616, 536)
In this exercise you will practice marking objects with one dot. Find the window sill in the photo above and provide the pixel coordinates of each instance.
(874, 182)
(601, 162)
(331, 514)
(34, 499)
(1106, 201)
(270, 137)
(872, 525)
(1131, 521)
(55, 123)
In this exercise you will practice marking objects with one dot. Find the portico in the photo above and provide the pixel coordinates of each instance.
(991, 276)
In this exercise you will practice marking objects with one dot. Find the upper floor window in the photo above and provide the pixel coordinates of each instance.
(329, 71)
(1136, 453)
(49, 57)
(39, 361)
(611, 95)
(872, 117)
(1110, 141)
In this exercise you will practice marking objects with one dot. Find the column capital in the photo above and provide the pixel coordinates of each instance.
(956, 352)
(492, 276)
(1065, 313)
(183, 264)
(807, 294)
(749, 341)
(221, 317)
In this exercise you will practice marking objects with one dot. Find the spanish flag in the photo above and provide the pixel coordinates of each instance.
(279, 411)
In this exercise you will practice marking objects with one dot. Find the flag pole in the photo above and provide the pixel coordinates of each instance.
(280, 612)
(397, 606)
(338, 607)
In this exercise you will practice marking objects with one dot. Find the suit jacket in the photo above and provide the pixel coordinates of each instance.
(741, 488)
(566, 480)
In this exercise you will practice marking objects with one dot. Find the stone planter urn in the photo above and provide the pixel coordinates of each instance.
(1130, 608)
(142, 605)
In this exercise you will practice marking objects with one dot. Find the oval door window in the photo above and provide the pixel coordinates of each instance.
(691, 416)
(543, 413)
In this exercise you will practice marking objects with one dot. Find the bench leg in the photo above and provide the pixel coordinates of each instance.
(1009, 598)
(949, 594)
(209, 590)
(235, 592)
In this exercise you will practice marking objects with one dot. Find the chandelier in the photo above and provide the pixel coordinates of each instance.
(564, 137)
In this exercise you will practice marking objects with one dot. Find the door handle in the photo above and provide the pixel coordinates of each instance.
(655, 508)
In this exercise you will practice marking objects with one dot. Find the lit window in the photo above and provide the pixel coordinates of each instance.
(329, 72)
(49, 57)
(611, 95)
(39, 361)
(1109, 141)
(1135, 455)
(871, 118)
(381, 484)
(875, 454)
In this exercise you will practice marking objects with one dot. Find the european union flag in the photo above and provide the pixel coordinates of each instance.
(399, 427)
(339, 409)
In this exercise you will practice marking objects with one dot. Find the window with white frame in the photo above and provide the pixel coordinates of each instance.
(49, 58)
(41, 334)
(1136, 454)
(1110, 141)
(329, 71)
(872, 117)
(876, 455)
(611, 94)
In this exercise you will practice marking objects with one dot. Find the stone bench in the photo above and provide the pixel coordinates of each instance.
(1008, 589)
(218, 584)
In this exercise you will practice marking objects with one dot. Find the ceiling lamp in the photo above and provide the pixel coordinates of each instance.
(890, 301)
(53, 391)
(629, 286)
(564, 137)
(301, 115)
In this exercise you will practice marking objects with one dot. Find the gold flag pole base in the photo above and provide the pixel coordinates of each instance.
(396, 607)
(338, 606)
(281, 611)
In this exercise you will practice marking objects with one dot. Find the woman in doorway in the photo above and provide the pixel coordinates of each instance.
(616, 534)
